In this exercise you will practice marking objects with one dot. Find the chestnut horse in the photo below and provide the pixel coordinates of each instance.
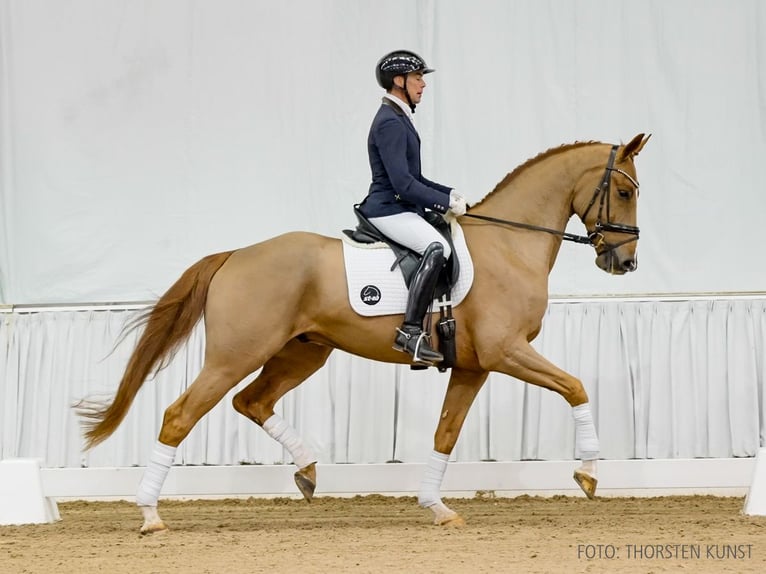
(282, 305)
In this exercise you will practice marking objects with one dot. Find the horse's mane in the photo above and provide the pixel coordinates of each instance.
(530, 162)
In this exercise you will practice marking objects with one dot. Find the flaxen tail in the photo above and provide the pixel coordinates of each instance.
(167, 325)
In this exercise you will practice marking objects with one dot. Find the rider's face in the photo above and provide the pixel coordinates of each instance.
(414, 84)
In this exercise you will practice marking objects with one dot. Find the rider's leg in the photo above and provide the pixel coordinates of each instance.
(410, 336)
(411, 230)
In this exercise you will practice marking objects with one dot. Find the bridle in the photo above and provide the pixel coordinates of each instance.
(596, 237)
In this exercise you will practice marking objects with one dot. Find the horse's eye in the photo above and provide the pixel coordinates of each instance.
(625, 193)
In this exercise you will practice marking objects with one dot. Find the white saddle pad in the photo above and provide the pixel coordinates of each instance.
(375, 289)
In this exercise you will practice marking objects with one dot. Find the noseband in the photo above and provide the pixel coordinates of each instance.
(596, 237)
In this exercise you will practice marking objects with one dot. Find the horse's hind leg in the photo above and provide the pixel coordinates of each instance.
(282, 373)
(219, 375)
(461, 392)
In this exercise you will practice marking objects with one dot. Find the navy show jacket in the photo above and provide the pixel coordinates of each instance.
(398, 185)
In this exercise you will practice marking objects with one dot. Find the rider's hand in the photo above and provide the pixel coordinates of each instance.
(457, 203)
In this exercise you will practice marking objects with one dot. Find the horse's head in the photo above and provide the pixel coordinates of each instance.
(609, 212)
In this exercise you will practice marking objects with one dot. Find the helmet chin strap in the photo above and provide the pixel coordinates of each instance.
(407, 94)
(409, 101)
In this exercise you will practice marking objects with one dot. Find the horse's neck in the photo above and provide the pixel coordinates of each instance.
(540, 194)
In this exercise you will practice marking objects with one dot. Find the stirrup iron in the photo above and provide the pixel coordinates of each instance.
(422, 342)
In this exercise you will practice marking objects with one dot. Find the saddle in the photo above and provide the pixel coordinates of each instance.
(408, 261)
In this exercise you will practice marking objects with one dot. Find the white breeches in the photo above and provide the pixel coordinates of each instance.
(410, 230)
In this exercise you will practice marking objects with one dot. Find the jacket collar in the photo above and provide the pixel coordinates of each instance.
(404, 107)
(401, 112)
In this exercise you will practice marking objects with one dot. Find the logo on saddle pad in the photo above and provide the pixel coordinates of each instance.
(375, 283)
(370, 295)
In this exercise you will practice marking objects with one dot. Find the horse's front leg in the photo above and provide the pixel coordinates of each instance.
(523, 362)
(461, 392)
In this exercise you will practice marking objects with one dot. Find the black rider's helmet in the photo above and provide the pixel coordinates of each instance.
(398, 63)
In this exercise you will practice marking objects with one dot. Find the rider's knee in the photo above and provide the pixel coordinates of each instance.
(440, 247)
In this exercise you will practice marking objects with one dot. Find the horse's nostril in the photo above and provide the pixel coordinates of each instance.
(629, 265)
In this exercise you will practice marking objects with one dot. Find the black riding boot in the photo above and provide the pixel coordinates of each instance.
(410, 336)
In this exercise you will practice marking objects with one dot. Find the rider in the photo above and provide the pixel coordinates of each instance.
(399, 194)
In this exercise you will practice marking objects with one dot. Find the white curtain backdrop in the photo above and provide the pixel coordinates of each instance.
(667, 379)
(138, 136)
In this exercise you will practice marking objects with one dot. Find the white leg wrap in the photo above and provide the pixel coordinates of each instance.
(590, 466)
(155, 473)
(586, 439)
(287, 436)
(430, 487)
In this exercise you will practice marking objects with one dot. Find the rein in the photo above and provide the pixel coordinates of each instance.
(596, 237)
(585, 239)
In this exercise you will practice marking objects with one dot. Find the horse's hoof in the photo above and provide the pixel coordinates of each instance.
(305, 480)
(450, 521)
(156, 528)
(587, 482)
(444, 516)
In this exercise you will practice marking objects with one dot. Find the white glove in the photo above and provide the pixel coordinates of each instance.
(456, 203)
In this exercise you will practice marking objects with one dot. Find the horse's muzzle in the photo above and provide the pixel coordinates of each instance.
(613, 264)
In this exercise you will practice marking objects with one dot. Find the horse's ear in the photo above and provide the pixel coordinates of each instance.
(635, 146)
